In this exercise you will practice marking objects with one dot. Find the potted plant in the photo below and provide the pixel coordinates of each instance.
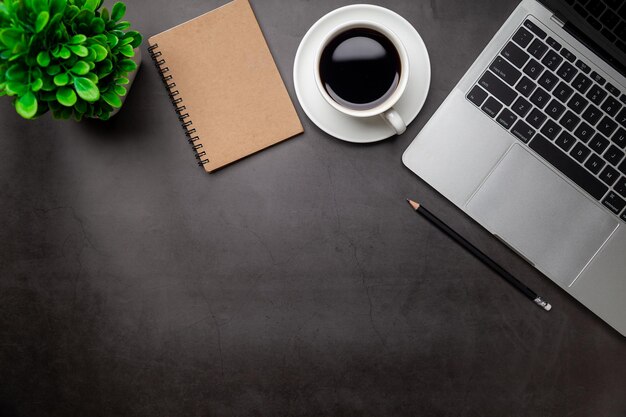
(72, 57)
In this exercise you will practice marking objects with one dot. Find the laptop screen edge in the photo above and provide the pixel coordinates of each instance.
(578, 27)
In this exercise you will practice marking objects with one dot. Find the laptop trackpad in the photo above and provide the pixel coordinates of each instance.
(541, 215)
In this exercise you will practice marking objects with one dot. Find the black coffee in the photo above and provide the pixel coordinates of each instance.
(360, 68)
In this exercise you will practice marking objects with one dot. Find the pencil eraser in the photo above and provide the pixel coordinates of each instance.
(548, 307)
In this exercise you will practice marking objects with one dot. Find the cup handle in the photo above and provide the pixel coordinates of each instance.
(395, 121)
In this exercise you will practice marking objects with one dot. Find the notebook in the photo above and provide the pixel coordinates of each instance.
(224, 84)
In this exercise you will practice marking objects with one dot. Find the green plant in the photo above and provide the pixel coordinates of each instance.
(68, 56)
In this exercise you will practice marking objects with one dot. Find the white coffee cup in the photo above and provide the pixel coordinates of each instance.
(384, 109)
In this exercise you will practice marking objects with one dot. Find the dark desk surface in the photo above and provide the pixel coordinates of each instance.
(294, 283)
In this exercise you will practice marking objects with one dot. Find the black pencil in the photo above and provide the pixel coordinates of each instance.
(481, 256)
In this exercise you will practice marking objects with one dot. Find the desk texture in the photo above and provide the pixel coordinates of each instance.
(297, 282)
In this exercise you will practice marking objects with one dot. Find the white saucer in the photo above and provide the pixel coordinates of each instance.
(329, 119)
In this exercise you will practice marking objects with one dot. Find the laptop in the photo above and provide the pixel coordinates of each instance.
(531, 144)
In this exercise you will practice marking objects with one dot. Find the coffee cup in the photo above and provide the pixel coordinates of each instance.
(362, 70)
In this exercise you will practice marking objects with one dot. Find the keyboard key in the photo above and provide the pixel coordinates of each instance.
(533, 69)
(554, 44)
(565, 141)
(505, 71)
(580, 152)
(609, 175)
(577, 103)
(622, 98)
(522, 37)
(619, 138)
(523, 131)
(595, 164)
(612, 89)
(596, 95)
(540, 98)
(568, 55)
(584, 132)
(582, 83)
(597, 78)
(594, 23)
(606, 126)
(537, 49)
(568, 167)
(548, 80)
(609, 19)
(521, 106)
(583, 67)
(620, 187)
(569, 121)
(614, 156)
(621, 117)
(551, 129)
(614, 4)
(536, 118)
(599, 143)
(477, 95)
(492, 107)
(535, 29)
(555, 109)
(622, 168)
(618, 33)
(592, 115)
(498, 88)
(620, 30)
(525, 86)
(567, 71)
(611, 106)
(506, 118)
(562, 92)
(552, 60)
(595, 8)
(614, 202)
(514, 54)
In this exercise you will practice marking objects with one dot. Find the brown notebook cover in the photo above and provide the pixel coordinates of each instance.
(225, 85)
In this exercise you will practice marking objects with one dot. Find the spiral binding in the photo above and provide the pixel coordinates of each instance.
(177, 101)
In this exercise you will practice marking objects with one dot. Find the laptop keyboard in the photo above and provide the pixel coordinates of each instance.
(606, 16)
(567, 113)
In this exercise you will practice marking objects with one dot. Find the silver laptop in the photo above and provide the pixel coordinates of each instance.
(531, 144)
